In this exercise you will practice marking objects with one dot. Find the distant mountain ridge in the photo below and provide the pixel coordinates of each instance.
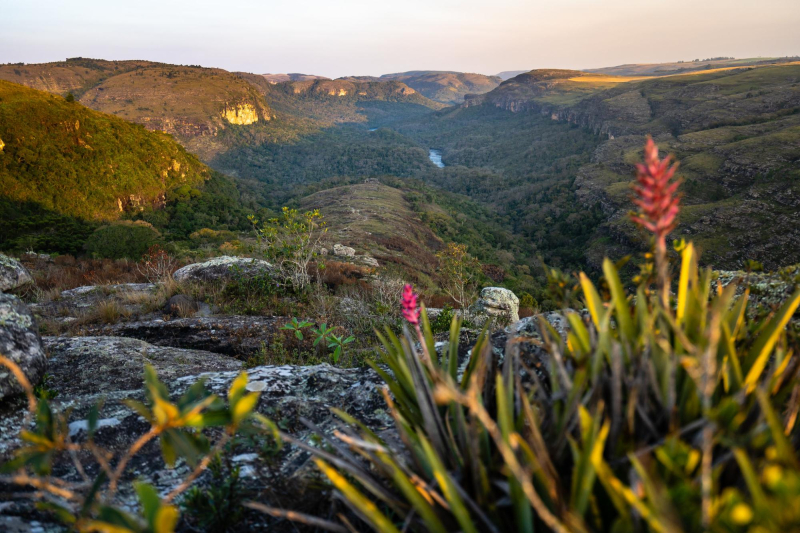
(445, 86)
(292, 76)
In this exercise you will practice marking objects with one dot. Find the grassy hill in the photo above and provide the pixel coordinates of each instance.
(549, 86)
(192, 103)
(445, 87)
(404, 222)
(680, 67)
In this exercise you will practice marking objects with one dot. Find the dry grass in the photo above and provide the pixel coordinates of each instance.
(110, 311)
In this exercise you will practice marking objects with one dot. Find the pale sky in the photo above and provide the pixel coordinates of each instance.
(372, 37)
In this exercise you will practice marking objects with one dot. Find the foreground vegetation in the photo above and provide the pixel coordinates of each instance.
(668, 407)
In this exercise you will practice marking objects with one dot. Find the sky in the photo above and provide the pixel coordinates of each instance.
(371, 37)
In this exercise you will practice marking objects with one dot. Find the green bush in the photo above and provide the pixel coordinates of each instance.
(120, 240)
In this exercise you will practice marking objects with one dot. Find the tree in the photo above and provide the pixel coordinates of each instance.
(459, 272)
(292, 241)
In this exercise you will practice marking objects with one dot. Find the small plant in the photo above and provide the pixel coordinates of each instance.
(459, 272)
(43, 391)
(442, 322)
(338, 343)
(322, 333)
(217, 507)
(297, 327)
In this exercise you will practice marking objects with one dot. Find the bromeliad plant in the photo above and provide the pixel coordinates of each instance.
(662, 410)
(179, 426)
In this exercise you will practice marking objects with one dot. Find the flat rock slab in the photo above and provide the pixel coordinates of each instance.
(237, 336)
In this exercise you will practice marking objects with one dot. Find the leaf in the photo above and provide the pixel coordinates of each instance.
(244, 407)
(238, 388)
(761, 350)
(166, 519)
(688, 275)
(148, 497)
(619, 300)
(593, 301)
(366, 508)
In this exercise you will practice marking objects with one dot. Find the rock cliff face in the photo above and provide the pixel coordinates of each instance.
(242, 114)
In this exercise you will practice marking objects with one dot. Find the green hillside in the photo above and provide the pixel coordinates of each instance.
(65, 168)
(76, 161)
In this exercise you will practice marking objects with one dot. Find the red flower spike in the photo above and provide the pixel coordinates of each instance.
(654, 194)
(409, 305)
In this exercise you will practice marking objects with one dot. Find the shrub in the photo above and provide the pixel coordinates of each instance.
(129, 240)
(156, 264)
(292, 242)
(443, 320)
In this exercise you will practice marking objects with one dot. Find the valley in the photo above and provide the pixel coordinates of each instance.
(548, 151)
(431, 300)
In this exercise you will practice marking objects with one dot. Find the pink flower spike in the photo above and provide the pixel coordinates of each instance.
(409, 305)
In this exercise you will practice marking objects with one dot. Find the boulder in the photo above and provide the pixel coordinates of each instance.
(223, 268)
(498, 302)
(343, 251)
(368, 260)
(12, 274)
(181, 305)
(20, 342)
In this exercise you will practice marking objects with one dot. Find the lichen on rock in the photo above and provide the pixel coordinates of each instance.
(19, 342)
(12, 274)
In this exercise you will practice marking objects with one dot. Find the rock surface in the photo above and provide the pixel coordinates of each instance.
(12, 274)
(238, 336)
(84, 370)
(20, 342)
(222, 269)
(498, 302)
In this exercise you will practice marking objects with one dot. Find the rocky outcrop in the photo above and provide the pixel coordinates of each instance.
(222, 268)
(19, 342)
(12, 274)
(343, 251)
(498, 302)
(84, 370)
(237, 336)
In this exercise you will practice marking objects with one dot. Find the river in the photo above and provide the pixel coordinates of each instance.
(436, 157)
